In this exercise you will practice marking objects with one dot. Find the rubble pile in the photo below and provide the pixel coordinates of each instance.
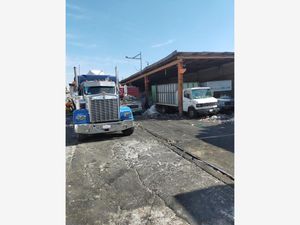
(151, 112)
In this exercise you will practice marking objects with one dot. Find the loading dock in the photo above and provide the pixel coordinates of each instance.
(183, 68)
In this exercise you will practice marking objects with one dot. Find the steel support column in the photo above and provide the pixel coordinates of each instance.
(180, 71)
(146, 82)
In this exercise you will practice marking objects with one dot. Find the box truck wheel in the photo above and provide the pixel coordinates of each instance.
(192, 113)
(163, 109)
(128, 132)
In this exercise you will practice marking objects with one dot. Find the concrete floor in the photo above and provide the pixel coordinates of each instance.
(111, 179)
(210, 140)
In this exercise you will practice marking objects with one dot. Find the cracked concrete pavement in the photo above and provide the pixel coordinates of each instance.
(111, 179)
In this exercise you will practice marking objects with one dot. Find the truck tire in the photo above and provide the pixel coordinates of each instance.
(80, 137)
(128, 132)
(192, 112)
(163, 109)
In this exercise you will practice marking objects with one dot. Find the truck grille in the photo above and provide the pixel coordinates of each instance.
(206, 104)
(102, 110)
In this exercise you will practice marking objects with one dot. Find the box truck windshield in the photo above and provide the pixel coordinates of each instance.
(98, 90)
(201, 93)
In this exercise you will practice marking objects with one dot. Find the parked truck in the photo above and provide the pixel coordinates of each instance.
(130, 96)
(98, 108)
(129, 90)
(196, 100)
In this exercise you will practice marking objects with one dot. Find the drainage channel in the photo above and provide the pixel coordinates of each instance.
(206, 166)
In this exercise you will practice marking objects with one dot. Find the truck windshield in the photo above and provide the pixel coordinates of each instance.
(99, 90)
(201, 93)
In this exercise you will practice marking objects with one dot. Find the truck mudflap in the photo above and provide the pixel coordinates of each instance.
(103, 127)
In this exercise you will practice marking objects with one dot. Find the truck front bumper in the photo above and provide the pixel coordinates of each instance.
(108, 127)
(208, 110)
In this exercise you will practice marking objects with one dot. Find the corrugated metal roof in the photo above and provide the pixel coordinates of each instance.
(179, 55)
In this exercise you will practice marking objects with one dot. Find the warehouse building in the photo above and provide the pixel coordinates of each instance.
(187, 69)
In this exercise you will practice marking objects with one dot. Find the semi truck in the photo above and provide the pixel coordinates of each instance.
(196, 100)
(97, 106)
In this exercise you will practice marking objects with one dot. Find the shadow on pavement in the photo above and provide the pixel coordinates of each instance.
(71, 137)
(101, 137)
(70, 134)
(220, 135)
(213, 205)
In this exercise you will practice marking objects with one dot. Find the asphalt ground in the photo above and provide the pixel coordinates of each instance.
(211, 140)
(112, 179)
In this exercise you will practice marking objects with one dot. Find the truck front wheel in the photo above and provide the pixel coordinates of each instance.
(80, 137)
(128, 132)
(192, 113)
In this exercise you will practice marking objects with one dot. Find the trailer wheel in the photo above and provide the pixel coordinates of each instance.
(128, 132)
(192, 113)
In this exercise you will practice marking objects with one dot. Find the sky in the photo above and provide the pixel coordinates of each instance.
(100, 33)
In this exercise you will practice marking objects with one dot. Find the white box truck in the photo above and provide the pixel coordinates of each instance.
(196, 100)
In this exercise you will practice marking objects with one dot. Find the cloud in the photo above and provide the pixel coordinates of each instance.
(163, 44)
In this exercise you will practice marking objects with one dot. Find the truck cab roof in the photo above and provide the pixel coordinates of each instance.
(196, 88)
(83, 78)
(96, 83)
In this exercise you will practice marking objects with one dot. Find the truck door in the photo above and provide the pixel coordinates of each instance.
(186, 100)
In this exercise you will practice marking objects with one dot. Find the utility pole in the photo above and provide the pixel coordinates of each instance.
(75, 77)
(139, 57)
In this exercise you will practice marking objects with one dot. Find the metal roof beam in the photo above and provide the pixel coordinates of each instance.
(205, 57)
(155, 70)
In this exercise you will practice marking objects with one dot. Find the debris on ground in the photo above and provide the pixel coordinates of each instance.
(151, 112)
(219, 118)
(214, 117)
